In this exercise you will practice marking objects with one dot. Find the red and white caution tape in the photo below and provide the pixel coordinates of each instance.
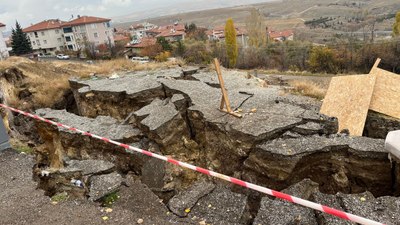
(130, 149)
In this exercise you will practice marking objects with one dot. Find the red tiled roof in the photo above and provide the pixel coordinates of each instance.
(278, 34)
(121, 38)
(137, 26)
(169, 33)
(2, 25)
(44, 25)
(219, 31)
(145, 42)
(86, 20)
(162, 29)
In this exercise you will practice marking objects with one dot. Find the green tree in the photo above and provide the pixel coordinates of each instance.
(323, 59)
(396, 25)
(20, 42)
(164, 43)
(180, 49)
(230, 41)
(256, 29)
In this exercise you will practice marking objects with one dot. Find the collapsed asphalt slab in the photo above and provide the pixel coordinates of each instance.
(281, 140)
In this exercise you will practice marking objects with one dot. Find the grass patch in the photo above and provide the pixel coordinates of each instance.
(307, 88)
(60, 197)
(48, 81)
(20, 146)
(110, 199)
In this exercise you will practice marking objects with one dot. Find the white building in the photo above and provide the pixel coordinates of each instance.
(55, 35)
(87, 29)
(138, 31)
(46, 36)
(3, 48)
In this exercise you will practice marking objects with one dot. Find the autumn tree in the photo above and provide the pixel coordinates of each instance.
(230, 42)
(256, 29)
(396, 25)
(323, 59)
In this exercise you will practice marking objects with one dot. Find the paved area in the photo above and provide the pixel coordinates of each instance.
(22, 203)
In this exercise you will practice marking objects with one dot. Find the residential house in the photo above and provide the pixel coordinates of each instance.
(87, 29)
(122, 39)
(46, 36)
(171, 33)
(280, 36)
(3, 47)
(138, 31)
(218, 34)
(136, 49)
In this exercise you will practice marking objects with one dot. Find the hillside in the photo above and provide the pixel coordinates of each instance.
(279, 16)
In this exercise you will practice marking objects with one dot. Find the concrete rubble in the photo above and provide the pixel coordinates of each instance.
(103, 185)
(280, 141)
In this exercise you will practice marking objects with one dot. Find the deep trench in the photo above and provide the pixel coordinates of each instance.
(388, 185)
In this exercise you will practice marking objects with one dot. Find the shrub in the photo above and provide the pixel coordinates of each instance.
(197, 52)
(163, 56)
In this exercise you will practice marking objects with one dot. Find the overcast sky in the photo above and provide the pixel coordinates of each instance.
(32, 11)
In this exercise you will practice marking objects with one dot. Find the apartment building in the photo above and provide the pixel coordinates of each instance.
(138, 31)
(87, 29)
(54, 35)
(3, 48)
(46, 36)
(172, 33)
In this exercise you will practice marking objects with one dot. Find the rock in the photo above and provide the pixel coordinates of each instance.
(91, 167)
(383, 209)
(282, 162)
(103, 185)
(61, 144)
(309, 128)
(280, 212)
(332, 201)
(163, 122)
(119, 97)
(140, 199)
(179, 102)
(187, 71)
(188, 198)
(221, 206)
(104, 126)
(378, 125)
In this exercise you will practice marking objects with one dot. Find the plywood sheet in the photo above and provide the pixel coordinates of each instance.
(386, 96)
(348, 98)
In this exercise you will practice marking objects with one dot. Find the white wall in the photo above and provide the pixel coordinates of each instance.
(99, 33)
(47, 39)
(3, 48)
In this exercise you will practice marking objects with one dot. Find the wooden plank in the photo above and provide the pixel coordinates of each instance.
(386, 96)
(221, 82)
(348, 98)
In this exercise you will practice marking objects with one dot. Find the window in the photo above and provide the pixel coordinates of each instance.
(33, 42)
(93, 25)
(31, 34)
(96, 35)
(42, 33)
(57, 31)
(70, 47)
(107, 24)
(68, 38)
(59, 39)
(45, 42)
(36, 35)
(67, 30)
(38, 42)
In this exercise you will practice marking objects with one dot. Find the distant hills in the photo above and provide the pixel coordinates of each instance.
(316, 20)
